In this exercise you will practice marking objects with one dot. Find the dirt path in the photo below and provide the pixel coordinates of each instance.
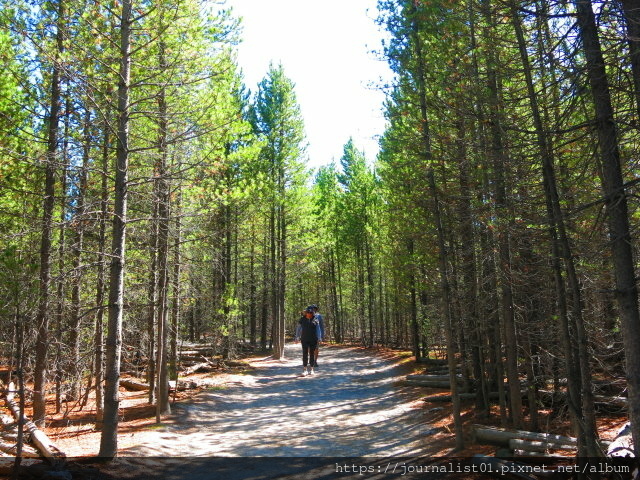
(274, 423)
(348, 408)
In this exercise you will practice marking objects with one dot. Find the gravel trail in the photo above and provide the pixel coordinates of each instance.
(349, 408)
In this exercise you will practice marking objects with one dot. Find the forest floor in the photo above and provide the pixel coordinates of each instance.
(354, 406)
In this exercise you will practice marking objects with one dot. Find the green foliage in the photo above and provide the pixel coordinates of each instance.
(254, 223)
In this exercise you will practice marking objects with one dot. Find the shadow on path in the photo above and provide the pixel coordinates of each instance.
(349, 408)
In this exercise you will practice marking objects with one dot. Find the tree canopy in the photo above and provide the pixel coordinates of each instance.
(148, 196)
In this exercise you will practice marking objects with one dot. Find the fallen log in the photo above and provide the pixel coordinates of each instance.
(45, 446)
(428, 383)
(203, 367)
(447, 398)
(622, 445)
(189, 352)
(12, 449)
(133, 385)
(440, 371)
(538, 446)
(183, 365)
(7, 422)
(501, 436)
(463, 396)
(548, 397)
(140, 386)
(182, 385)
(433, 361)
(619, 402)
(235, 363)
(620, 383)
(432, 378)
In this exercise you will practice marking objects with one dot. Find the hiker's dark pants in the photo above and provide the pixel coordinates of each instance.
(309, 353)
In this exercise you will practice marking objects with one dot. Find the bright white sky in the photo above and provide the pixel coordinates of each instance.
(324, 47)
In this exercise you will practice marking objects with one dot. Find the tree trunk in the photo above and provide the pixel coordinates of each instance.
(499, 164)
(469, 274)
(370, 291)
(78, 246)
(162, 400)
(265, 296)
(109, 437)
(20, 374)
(340, 320)
(42, 317)
(152, 318)
(253, 320)
(488, 311)
(442, 251)
(579, 392)
(415, 330)
(62, 280)
(275, 323)
(617, 210)
(175, 306)
(446, 300)
(100, 287)
(282, 267)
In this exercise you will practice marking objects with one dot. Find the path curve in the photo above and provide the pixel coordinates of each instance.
(349, 408)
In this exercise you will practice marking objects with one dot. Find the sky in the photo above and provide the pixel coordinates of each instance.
(325, 49)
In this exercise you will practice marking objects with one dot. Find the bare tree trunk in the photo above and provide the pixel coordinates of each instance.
(153, 300)
(253, 325)
(62, 280)
(580, 388)
(334, 296)
(502, 213)
(162, 401)
(469, 275)
(446, 301)
(78, 221)
(19, 320)
(370, 290)
(617, 210)
(177, 259)
(488, 311)
(414, 304)
(340, 319)
(442, 252)
(265, 294)
(42, 317)
(275, 335)
(109, 437)
(281, 229)
(100, 287)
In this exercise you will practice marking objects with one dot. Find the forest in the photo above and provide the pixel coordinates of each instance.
(149, 197)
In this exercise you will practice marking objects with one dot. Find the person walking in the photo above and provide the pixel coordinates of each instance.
(309, 334)
(318, 317)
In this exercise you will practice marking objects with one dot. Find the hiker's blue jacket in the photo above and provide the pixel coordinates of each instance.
(321, 323)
